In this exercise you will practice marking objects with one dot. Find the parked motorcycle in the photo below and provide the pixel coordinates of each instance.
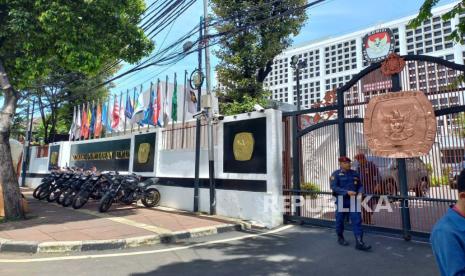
(57, 189)
(46, 183)
(128, 190)
(45, 192)
(95, 188)
(69, 192)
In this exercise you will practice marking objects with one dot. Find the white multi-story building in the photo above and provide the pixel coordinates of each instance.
(332, 62)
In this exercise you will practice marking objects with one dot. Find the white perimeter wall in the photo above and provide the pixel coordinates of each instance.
(264, 208)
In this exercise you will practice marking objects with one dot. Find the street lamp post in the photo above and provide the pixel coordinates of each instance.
(196, 81)
(297, 65)
(296, 145)
(27, 146)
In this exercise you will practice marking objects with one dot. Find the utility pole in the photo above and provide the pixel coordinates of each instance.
(197, 128)
(209, 114)
(207, 48)
(27, 143)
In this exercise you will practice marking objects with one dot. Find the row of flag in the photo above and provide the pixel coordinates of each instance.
(150, 108)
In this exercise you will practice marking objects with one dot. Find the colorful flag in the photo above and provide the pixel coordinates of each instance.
(174, 101)
(166, 106)
(115, 115)
(143, 101)
(77, 125)
(148, 115)
(157, 105)
(191, 102)
(85, 123)
(105, 124)
(92, 121)
(129, 111)
(98, 121)
(73, 125)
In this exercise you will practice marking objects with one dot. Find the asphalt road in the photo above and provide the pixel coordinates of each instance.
(293, 250)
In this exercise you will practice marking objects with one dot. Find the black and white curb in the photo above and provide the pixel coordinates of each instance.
(95, 245)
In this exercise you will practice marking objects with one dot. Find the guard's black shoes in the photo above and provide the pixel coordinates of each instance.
(342, 241)
(360, 245)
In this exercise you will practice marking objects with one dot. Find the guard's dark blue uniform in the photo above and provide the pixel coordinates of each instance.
(341, 182)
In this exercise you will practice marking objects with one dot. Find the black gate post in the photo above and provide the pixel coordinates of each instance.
(296, 164)
(402, 172)
(340, 123)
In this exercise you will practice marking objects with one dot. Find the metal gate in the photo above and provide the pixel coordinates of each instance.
(336, 129)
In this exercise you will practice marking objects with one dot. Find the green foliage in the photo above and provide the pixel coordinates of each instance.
(425, 13)
(429, 169)
(246, 56)
(437, 181)
(38, 36)
(312, 187)
(62, 90)
(243, 105)
(460, 121)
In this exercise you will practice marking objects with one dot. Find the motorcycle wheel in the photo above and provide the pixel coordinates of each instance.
(43, 193)
(35, 194)
(68, 200)
(38, 190)
(105, 203)
(80, 199)
(151, 197)
(54, 195)
(62, 196)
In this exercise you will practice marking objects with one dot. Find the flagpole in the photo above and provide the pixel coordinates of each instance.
(95, 120)
(125, 107)
(140, 92)
(92, 134)
(172, 119)
(133, 107)
(72, 125)
(158, 101)
(164, 102)
(107, 117)
(82, 122)
(184, 109)
(150, 106)
(120, 109)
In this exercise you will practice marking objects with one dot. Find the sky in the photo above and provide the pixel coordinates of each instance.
(330, 18)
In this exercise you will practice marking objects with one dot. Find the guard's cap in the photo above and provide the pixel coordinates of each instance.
(344, 159)
(360, 156)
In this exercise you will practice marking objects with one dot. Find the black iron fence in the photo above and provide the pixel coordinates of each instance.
(429, 185)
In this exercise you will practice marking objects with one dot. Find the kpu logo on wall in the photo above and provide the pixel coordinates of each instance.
(378, 44)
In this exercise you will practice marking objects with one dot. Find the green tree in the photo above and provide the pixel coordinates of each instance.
(246, 54)
(59, 92)
(38, 36)
(425, 13)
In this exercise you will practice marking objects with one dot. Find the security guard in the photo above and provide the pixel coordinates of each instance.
(345, 184)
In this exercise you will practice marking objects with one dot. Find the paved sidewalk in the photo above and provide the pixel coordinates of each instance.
(50, 223)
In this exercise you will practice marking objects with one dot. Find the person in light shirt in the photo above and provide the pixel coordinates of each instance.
(448, 236)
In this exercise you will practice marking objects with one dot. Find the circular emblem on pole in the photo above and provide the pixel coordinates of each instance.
(196, 79)
(400, 125)
(378, 44)
(393, 64)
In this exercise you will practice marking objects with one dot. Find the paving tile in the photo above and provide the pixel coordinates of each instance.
(48, 222)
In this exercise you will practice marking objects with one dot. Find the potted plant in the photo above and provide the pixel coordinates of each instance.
(313, 188)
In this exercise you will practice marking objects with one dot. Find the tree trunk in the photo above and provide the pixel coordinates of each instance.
(263, 72)
(8, 179)
(45, 121)
(53, 118)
